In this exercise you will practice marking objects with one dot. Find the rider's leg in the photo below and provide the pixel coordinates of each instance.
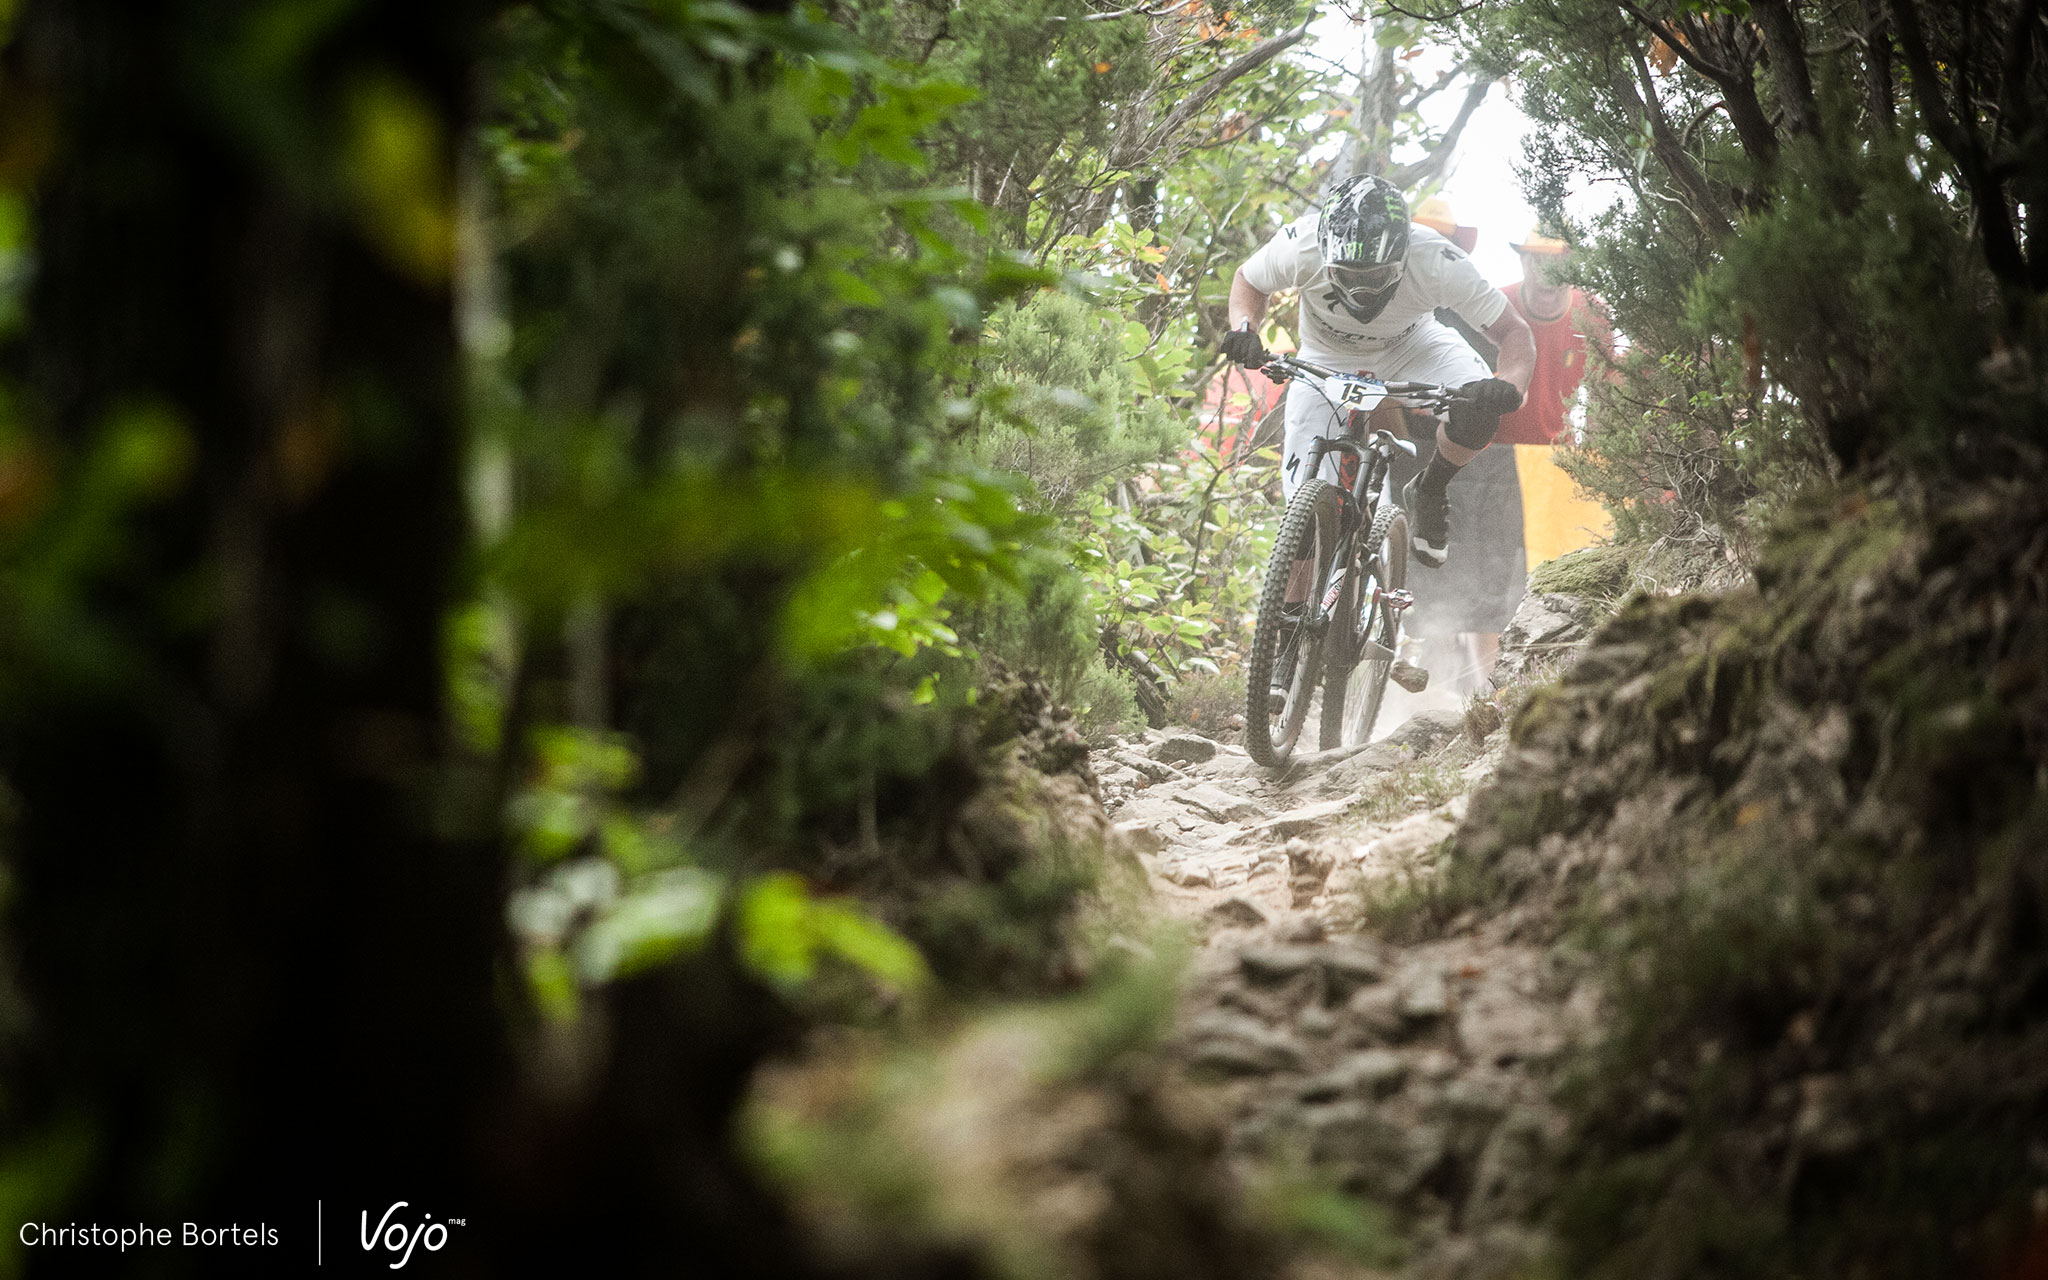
(1440, 355)
(1308, 416)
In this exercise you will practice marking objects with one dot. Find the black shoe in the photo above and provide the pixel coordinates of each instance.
(1429, 522)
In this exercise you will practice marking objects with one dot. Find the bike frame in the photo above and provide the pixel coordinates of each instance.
(1357, 396)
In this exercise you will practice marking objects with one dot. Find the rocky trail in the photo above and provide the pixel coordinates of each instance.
(1417, 1077)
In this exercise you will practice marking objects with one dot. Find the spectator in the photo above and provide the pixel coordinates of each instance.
(1567, 322)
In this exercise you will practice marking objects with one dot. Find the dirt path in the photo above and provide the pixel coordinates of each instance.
(1415, 1077)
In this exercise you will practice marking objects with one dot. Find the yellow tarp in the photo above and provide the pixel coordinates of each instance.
(1555, 519)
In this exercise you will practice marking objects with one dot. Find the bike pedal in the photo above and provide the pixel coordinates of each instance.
(1410, 677)
(1276, 700)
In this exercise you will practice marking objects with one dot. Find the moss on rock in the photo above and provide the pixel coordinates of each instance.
(1799, 829)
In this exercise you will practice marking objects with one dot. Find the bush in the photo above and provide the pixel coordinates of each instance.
(1212, 703)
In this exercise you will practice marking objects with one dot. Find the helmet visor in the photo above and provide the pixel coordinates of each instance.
(1358, 278)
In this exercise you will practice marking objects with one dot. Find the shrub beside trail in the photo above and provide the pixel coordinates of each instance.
(1799, 829)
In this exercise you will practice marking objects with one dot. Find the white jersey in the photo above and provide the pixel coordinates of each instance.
(1438, 275)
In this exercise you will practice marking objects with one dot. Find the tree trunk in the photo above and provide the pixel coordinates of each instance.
(257, 946)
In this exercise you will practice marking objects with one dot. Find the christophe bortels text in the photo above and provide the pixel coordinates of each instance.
(144, 1236)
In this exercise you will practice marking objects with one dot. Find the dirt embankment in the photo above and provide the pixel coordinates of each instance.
(1800, 831)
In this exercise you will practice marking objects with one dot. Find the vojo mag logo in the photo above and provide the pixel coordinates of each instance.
(398, 1234)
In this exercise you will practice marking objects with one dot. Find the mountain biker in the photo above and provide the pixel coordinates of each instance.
(1370, 282)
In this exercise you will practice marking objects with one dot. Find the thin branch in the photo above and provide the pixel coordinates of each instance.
(1458, 12)
(1711, 70)
(1676, 160)
(1443, 82)
(1145, 10)
(1439, 156)
(1958, 136)
(1685, 135)
(1251, 60)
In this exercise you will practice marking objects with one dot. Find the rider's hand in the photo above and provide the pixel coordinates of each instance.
(1243, 346)
(1492, 395)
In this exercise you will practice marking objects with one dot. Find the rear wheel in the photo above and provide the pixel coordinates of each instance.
(1287, 644)
(1352, 697)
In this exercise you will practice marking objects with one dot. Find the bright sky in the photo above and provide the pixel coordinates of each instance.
(1483, 189)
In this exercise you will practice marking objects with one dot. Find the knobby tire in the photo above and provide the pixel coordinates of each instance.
(1308, 531)
(1385, 557)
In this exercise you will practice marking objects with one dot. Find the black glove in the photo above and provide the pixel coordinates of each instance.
(1492, 396)
(1243, 346)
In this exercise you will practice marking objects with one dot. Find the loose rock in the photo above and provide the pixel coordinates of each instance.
(1238, 1044)
(1238, 911)
(1273, 964)
(1219, 805)
(1374, 1073)
(1184, 748)
(1425, 997)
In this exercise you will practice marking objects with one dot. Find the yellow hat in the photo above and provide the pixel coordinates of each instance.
(1537, 242)
(1435, 213)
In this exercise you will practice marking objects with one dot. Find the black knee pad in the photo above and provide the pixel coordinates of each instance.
(1471, 427)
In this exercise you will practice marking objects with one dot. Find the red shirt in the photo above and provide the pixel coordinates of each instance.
(1560, 367)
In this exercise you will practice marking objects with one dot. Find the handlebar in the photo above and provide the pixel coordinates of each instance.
(1426, 395)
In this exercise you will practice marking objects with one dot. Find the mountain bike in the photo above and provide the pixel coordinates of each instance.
(1336, 588)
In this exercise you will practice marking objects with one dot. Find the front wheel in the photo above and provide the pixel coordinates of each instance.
(1287, 645)
(1354, 693)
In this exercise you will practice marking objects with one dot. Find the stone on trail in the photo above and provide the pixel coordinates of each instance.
(1380, 757)
(1184, 748)
(1142, 836)
(1375, 1012)
(1385, 1155)
(1349, 966)
(1296, 821)
(1237, 910)
(1498, 1025)
(1239, 1044)
(1405, 841)
(1425, 996)
(1371, 1073)
(1316, 1021)
(1218, 804)
(1307, 927)
(1153, 769)
(1425, 731)
(1542, 634)
(1272, 964)
(1189, 875)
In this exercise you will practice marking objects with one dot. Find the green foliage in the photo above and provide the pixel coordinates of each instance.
(66, 519)
(1068, 107)
(1176, 571)
(1596, 573)
(1312, 1207)
(1810, 276)
(1050, 623)
(1407, 788)
(785, 932)
(1073, 413)
(1857, 286)
(715, 379)
(1208, 702)
(1008, 933)
(623, 890)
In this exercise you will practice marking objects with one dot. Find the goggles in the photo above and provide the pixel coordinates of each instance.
(1354, 279)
